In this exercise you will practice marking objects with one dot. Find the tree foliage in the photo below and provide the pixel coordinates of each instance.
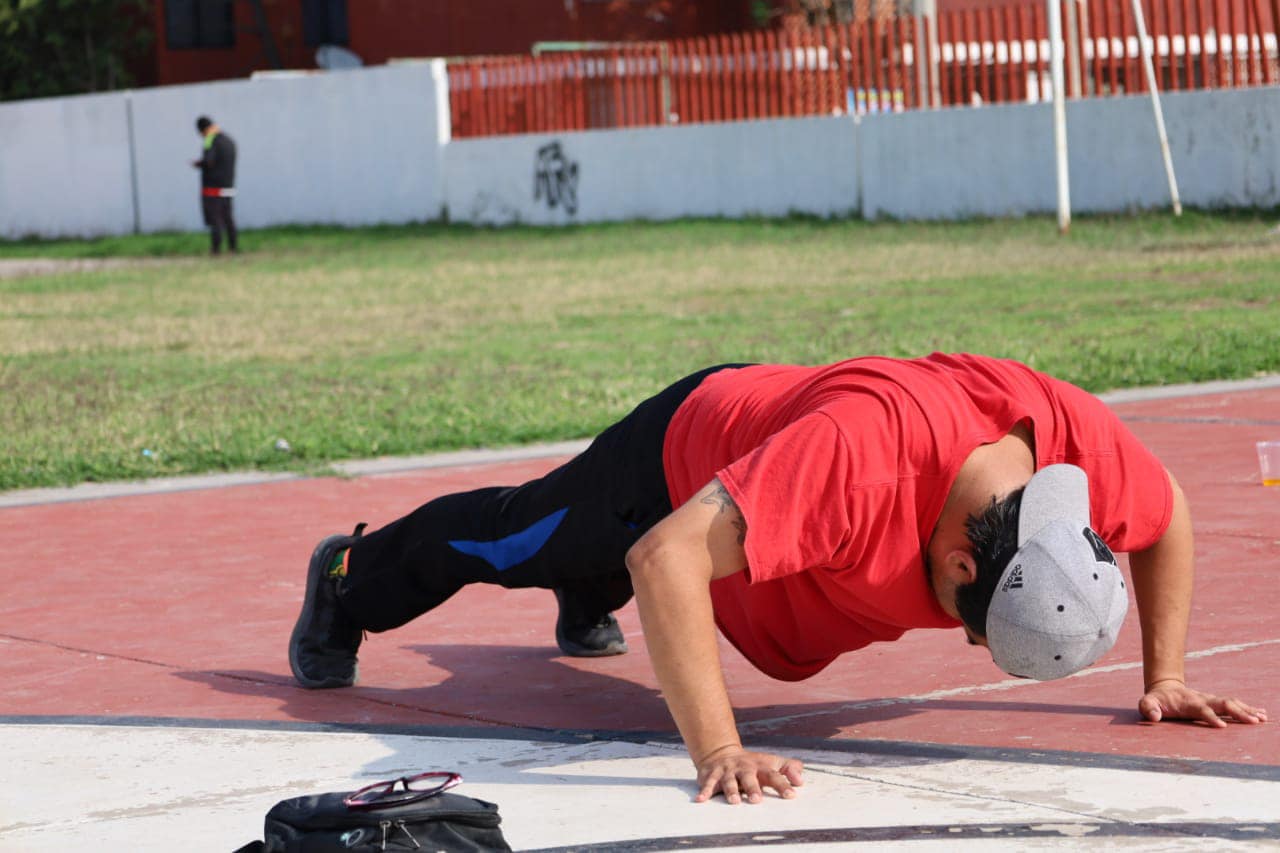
(67, 47)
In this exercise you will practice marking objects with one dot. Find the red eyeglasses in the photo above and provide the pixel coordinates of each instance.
(381, 795)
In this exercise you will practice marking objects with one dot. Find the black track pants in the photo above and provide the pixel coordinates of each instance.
(220, 219)
(568, 530)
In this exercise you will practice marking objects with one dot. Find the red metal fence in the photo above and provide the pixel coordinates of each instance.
(992, 55)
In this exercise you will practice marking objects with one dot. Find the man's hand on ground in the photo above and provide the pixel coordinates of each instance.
(1172, 700)
(739, 774)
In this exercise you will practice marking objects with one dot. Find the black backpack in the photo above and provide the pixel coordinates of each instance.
(321, 823)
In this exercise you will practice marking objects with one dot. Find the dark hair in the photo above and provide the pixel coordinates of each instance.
(202, 123)
(993, 536)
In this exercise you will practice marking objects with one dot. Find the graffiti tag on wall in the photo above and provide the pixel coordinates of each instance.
(555, 178)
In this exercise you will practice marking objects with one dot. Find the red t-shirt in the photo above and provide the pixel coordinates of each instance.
(841, 472)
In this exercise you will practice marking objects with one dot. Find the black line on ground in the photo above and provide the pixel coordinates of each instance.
(938, 832)
(898, 749)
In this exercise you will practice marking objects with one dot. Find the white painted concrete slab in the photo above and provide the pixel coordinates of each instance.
(160, 788)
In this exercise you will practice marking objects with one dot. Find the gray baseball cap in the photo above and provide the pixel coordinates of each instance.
(1060, 601)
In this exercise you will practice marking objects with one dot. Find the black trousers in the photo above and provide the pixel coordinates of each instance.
(569, 530)
(219, 218)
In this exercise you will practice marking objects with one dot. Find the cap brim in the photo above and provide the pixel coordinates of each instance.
(1055, 493)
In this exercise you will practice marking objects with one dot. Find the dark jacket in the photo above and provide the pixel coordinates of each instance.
(218, 164)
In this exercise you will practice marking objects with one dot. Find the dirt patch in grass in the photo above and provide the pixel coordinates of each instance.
(27, 267)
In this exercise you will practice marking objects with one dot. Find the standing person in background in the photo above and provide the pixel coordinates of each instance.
(217, 167)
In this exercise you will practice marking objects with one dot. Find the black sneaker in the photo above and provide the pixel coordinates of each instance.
(322, 649)
(582, 635)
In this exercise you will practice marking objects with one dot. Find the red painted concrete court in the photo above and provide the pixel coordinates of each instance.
(180, 605)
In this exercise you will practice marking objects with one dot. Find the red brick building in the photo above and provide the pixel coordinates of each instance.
(197, 40)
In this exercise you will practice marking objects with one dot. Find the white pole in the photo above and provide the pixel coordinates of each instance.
(1059, 116)
(1155, 105)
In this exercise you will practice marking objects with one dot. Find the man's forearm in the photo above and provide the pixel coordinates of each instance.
(679, 629)
(672, 568)
(1163, 577)
(1162, 582)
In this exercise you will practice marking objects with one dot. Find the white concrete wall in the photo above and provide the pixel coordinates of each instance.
(352, 148)
(1225, 145)
(766, 168)
(372, 146)
(64, 167)
(993, 161)
(998, 160)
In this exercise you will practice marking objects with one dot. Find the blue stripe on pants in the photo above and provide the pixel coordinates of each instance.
(513, 550)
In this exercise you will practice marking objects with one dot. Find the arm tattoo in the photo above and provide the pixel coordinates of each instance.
(721, 497)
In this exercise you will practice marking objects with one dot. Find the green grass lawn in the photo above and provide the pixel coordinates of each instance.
(356, 343)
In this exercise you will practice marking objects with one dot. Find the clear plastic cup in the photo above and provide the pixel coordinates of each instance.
(1269, 462)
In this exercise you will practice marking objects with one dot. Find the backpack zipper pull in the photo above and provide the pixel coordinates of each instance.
(385, 826)
(405, 830)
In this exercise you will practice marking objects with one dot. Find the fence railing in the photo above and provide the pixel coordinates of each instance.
(998, 54)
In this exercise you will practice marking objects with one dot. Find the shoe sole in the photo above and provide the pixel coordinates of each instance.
(316, 571)
(576, 650)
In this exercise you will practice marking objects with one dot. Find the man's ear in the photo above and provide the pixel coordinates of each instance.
(959, 567)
